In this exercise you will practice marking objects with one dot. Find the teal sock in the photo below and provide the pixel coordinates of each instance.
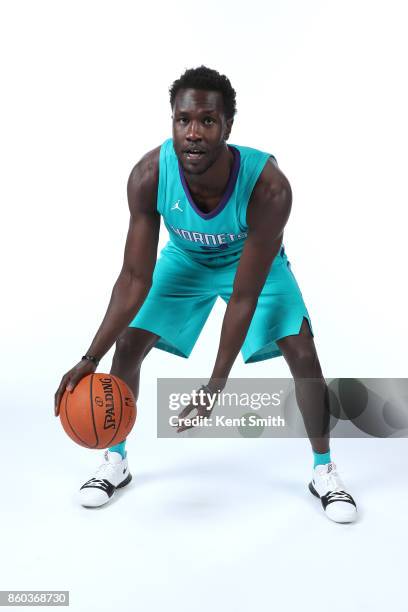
(119, 448)
(321, 458)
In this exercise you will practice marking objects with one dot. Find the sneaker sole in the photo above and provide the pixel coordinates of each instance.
(125, 482)
(313, 490)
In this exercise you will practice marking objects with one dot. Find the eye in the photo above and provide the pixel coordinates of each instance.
(210, 119)
(182, 119)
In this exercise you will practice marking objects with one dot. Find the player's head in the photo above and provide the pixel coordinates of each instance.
(203, 106)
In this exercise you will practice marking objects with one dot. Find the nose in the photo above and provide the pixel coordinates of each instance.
(193, 132)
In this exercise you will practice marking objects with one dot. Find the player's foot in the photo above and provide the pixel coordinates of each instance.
(111, 475)
(326, 484)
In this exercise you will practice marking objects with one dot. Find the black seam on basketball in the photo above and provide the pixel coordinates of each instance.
(121, 411)
(93, 416)
(69, 422)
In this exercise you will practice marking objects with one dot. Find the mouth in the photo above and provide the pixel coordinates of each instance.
(194, 154)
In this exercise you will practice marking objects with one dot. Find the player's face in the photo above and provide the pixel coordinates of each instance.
(200, 129)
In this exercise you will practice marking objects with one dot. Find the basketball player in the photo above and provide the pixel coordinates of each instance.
(225, 207)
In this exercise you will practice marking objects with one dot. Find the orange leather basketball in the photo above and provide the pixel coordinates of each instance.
(99, 412)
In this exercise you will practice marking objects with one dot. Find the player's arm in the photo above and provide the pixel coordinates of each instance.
(267, 214)
(135, 278)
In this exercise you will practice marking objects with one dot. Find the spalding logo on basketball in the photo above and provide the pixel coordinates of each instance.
(99, 412)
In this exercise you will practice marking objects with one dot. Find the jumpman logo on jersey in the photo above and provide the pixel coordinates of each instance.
(176, 206)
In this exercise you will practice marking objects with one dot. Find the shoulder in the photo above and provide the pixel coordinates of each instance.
(271, 196)
(143, 181)
(146, 171)
(271, 180)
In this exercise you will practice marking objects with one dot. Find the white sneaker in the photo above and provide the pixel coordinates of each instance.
(326, 484)
(111, 475)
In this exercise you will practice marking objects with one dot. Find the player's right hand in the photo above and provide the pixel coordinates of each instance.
(71, 379)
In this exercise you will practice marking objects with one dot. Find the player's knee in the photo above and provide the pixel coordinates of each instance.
(129, 350)
(304, 362)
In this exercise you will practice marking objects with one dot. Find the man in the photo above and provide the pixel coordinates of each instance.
(225, 207)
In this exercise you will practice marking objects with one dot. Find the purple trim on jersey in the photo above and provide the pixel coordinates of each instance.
(228, 191)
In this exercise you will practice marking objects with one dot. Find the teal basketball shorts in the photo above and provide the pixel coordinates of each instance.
(184, 291)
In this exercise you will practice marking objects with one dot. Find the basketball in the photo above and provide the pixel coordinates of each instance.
(99, 412)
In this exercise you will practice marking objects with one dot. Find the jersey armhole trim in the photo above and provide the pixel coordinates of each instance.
(162, 184)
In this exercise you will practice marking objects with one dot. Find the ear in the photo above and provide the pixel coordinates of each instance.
(228, 128)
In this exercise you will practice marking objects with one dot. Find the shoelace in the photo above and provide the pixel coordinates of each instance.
(335, 486)
(338, 496)
(98, 483)
(333, 481)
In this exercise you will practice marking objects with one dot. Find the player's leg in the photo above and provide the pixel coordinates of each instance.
(281, 326)
(132, 346)
(311, 389)
(313, 399)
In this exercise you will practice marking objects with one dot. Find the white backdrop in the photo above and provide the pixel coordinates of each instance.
(320, 84)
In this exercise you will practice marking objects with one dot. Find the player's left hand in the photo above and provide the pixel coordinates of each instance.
(203, 403)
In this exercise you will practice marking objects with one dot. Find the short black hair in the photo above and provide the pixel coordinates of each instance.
(210, 80)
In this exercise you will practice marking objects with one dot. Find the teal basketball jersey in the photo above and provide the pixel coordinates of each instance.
(223, 230)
